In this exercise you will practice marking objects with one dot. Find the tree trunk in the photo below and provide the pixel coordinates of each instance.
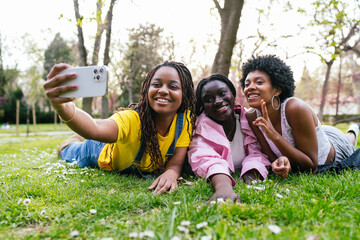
(338, 91)
(230, 20)
(325, 89)
(86, 102)
(34, 117)
(104, 99)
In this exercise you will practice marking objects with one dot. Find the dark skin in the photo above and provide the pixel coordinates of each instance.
(302, 120)
(218, 104)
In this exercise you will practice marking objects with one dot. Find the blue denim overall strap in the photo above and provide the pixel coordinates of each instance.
(170, 152)
(179, 126)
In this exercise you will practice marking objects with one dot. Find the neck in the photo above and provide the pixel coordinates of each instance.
(163, 123)
(273, 114)
(229, 127)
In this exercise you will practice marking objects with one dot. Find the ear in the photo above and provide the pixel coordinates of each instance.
(278, 91)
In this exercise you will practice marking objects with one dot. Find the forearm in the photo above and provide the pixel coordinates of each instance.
(176, 163)
(221, 181)
(83, 124)
(298, 159)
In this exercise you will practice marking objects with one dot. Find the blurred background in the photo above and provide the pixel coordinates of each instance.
(319, 39)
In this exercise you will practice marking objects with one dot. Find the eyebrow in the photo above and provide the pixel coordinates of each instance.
(256, 78)
(171, 81)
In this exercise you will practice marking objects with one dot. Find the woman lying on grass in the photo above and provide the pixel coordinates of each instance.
(223, 140)
(287, 126)
(152, 138)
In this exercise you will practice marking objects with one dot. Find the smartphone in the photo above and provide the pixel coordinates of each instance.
(91, 81)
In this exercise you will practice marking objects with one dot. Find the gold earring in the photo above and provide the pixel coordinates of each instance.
(272, 102)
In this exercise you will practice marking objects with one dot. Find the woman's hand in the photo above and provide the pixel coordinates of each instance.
(281, 167)
(265, 124)
(224, 194)
(53, 89)
(223, 189)
(251, 175)
(166, 181)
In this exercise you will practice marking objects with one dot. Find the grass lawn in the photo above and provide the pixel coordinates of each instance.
(43, 127)
(43, 197)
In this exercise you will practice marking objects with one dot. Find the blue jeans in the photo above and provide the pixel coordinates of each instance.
(85, 153)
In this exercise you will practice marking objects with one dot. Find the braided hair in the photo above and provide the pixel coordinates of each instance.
(147, 114)
(199, 106)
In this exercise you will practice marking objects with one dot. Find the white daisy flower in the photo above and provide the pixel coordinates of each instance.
(274, 228)
(133, 235)
(207, 237)
(93, 211)
(74, 233)
(185, 223)
(279, 195)
(183, 229)
(27, 201)
(201, 225)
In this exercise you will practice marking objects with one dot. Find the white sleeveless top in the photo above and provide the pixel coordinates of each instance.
(237, 145)
(286, 132)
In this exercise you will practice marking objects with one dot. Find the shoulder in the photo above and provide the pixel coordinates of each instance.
(125, 115)
(298, 111)
(296, 106)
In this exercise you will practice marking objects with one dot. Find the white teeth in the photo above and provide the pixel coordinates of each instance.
(222, 108)
(162, 100)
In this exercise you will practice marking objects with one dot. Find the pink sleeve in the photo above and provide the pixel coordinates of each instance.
(254, 159)
(205, 159)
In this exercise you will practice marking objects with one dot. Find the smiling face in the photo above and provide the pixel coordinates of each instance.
(258, 86)
(165, 91)
(218, 101)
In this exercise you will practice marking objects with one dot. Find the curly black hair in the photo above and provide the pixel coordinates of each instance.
(147, 114)
(280, 74)
(199, 106)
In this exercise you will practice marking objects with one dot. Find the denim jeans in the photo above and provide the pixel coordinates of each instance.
(85, 153)
(352, 162)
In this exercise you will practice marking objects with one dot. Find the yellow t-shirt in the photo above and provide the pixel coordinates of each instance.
(120, 155)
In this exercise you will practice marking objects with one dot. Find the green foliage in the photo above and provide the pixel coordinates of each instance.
(57, 52)
(143, 51)
(334, 21)
(43, 197)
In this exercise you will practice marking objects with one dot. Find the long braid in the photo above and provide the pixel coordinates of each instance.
(147, 114)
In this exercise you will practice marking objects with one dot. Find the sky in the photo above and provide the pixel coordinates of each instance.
(186, 20)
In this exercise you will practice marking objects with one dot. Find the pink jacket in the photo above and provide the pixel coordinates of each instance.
(209, 151)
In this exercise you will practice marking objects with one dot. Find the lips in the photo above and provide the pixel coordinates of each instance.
(162, 100)
(253, 95)
(222, 108)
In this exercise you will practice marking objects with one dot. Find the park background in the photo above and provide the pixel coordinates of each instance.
(42, 197)
(320, 40)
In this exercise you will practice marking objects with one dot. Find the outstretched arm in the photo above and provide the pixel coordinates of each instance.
(168, 180)
(223, 188)
(104, 130)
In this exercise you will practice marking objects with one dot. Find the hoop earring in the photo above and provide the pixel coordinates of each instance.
(272, 102)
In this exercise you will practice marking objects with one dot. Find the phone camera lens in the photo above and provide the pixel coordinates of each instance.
(95, 70)
(98, 77)
(101, 70)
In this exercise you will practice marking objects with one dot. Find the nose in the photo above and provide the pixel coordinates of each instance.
(218, 100)
(163, 90)
(250, 86)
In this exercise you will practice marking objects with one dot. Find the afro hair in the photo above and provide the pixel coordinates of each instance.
(280, 74)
